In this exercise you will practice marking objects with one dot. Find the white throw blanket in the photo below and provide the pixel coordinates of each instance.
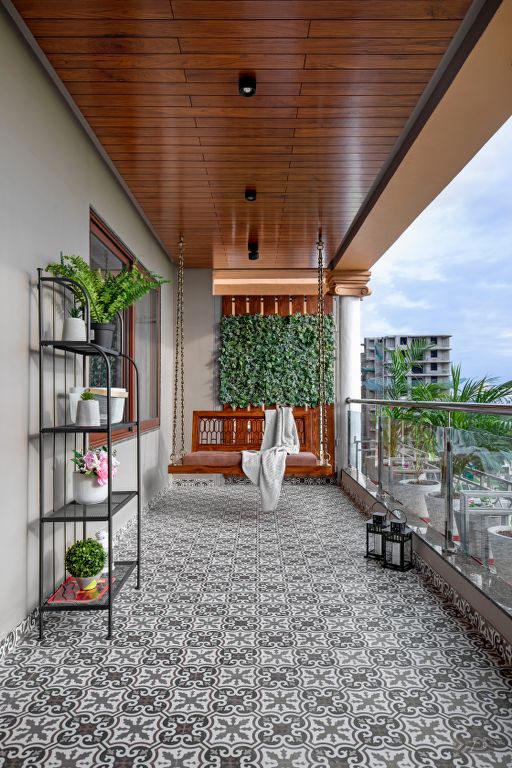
(265, 468)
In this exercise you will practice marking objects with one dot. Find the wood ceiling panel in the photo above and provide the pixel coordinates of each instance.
(158, 82)
(319, 9)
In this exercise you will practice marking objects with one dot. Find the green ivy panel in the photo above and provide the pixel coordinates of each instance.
(273, 359)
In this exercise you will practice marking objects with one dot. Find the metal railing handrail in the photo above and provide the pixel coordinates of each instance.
(496, 409)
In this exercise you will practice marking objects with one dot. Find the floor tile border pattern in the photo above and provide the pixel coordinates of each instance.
(497, 642)
(12, 638)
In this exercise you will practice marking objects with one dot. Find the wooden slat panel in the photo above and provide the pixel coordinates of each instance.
(297, 305)
(339, 46)
(283, 305)
(240, 305)
(177, 28)
(254, 305)
(314, 76)
(163, 61)
(320, 9)
(227, 306)
(190, 89)
(95, 9)
(110, 45)
(269, 305)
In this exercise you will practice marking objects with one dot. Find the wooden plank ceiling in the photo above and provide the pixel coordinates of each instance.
(158, 82)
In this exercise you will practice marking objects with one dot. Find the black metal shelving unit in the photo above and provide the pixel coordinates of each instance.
(64, 361)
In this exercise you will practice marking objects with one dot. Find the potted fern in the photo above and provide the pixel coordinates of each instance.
(108, 293)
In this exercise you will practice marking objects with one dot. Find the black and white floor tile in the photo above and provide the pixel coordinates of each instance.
(259, 640)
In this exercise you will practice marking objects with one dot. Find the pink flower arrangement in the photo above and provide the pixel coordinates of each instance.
(95, 462)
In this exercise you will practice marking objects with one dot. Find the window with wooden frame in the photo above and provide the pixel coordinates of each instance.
(141, 331)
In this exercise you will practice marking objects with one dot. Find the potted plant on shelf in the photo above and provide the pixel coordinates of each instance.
(88, 410)
(108, 292)
(74, 325)
(90, 479)
(85, 560)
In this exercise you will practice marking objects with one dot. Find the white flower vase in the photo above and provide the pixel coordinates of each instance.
(86, 489)
(74, 329)
(88, 413)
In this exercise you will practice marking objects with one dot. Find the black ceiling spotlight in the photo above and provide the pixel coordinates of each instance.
(250, 194)
(247, 85)
(253, 250)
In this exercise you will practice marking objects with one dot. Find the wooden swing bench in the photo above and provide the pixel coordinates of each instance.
(219, 437)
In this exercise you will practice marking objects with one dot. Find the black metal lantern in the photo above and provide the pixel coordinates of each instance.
(397, 544)
(375, 529)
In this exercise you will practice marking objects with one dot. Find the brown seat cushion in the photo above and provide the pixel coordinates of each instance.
(234, 459)
(213, 459)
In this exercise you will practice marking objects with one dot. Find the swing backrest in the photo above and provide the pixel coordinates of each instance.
(243, 430)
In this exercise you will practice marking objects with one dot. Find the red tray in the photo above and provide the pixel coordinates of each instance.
(70, 592)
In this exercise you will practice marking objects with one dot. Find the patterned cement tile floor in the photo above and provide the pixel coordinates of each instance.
(259, 640)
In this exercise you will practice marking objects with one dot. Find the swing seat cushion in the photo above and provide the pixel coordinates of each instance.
(234, 459)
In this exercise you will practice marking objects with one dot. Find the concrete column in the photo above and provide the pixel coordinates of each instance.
(348, 378)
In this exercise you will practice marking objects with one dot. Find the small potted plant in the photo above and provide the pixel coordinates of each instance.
(74, 325)
(108, 293)
(85, 560)
(90, 479)
(88, 410)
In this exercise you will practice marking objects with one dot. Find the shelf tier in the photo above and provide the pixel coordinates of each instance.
(77, 429)
(79, 347)
(122, 571)
(84, 513)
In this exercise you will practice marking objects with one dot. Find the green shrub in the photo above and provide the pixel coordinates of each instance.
(273, 359)
(85, 558)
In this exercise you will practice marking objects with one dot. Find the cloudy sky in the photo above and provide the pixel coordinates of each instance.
(451, 271)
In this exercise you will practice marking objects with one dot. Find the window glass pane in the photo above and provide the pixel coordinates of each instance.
(103, 258)
(146, 353)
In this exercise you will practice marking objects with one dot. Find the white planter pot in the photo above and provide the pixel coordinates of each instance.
(118, 398)
(87, 582)
(73, 399)
(86, 489)
(501, 551)
(74, 329)
(88, 413)
(412, 495)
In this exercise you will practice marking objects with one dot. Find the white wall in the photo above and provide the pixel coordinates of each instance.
(201, 318)
(50, 174)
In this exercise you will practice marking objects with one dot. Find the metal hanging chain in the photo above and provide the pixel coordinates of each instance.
(179, 366)
(322, 393)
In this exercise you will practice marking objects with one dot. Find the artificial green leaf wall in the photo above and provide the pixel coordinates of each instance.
(273, 359)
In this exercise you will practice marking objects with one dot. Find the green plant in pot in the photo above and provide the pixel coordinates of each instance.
(109, 293)
(84, 561)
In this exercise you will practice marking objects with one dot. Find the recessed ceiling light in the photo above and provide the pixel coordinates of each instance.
(247, 85)
(253, 251)
(250, 194)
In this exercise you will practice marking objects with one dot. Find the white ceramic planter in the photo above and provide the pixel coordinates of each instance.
(501, 551)
(86, 489)
(88, 413)
(73, 398)
(435, 504)
(118, 398)
(74, 329)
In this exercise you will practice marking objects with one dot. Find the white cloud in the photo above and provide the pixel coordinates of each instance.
(450, 272)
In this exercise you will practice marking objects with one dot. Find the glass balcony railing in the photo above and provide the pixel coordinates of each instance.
(454, 484)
